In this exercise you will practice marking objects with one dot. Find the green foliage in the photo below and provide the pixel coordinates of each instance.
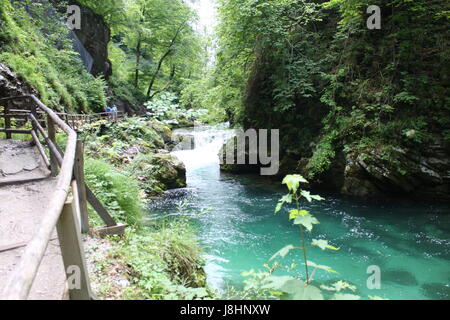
(105, 139)
(165, 108)
(323, 155)
(46, 60)
(111, 10)
(202, 94)
(118, 192)
(329, 84)
(132, 146)
(154, 47)
(166, 263)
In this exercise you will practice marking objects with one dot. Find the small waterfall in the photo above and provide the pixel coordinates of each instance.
(200, 146)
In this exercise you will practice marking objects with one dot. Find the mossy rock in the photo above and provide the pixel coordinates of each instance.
(169, 171)
(164, 131)
(158, 173)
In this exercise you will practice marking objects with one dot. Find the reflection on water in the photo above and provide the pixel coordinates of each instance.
(410, 242)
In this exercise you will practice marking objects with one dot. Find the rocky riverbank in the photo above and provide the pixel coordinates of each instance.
(139, 147)
(420, 174)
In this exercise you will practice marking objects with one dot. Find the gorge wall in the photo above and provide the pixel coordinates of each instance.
(362, 112)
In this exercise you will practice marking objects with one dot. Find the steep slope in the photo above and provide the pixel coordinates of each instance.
(364, 112)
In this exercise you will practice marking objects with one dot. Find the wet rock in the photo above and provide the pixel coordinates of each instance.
(163, 131)
(170, 171)
(425, 174)
(158, 173)
(356, 181)
(183, 142)
(229, 163)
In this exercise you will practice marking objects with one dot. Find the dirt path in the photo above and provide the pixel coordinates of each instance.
(21, 209)
(19, 160)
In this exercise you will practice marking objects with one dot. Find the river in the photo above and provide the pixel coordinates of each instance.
(408, 241)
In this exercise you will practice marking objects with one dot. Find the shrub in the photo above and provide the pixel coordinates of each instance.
(118, 192)
(166, 263)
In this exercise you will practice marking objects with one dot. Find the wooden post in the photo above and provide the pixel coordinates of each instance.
(78, 172)
(34, 113)
(52, 136)
(73, 254)
(7, 121)
(99, 208)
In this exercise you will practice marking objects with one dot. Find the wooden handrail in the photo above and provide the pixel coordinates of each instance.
(19, 284)
(60, 211)
(72, 119)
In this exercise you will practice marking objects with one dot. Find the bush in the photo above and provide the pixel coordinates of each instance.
(118, 192)
(166, 263)
(165, 107)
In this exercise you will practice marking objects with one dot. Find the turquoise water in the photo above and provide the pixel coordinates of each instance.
(410, 242)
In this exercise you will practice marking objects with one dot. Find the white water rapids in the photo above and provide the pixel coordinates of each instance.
(206, 142)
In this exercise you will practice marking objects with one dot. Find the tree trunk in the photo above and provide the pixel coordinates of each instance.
(169, 50)
(152, 81)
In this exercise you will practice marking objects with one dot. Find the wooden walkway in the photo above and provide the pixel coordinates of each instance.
(21, 211)
(43, 205)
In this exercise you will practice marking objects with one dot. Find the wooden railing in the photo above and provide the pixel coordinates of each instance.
(67, 210)
(77, 120)
(74, 120)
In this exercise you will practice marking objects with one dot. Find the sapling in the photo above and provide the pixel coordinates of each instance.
(305, 220)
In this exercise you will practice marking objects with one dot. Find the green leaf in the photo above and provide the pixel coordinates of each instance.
(292, 286)
(285, 199)
(294, 213)
(322, 267)
(277, 282)
(293, 182)
(308, 293)
(307, 221)
(278, 207)
(323, 244)
(283, 252)
(295, 289)
(310, 197)
(333, 248)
